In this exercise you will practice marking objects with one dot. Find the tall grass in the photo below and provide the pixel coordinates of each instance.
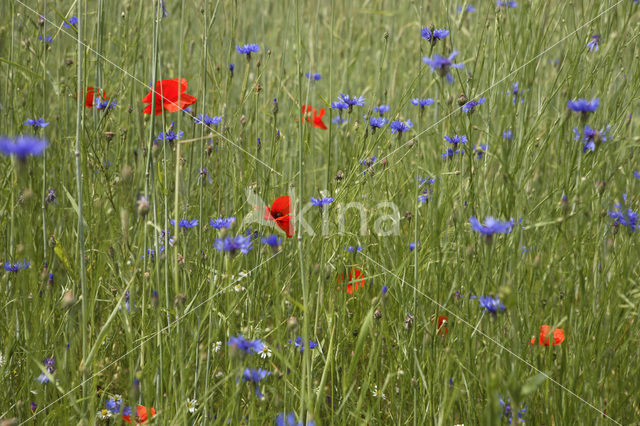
(120, 320)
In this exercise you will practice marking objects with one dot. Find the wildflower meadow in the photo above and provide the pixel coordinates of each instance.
(307, 213)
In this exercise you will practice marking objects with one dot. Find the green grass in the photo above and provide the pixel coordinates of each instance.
(579, 273)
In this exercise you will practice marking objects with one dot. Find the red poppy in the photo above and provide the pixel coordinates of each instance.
(280, 213)
(91, 95)
(311, 115)
(142, 415)
(356, 280)
(167, 94)
(558, 336)
(442, 328)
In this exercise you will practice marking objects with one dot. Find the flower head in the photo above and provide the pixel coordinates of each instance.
(376, 122)
(594, 43)
(244, 345)
(280, 213)
(222, 222)
(470, 106)
(184, 223)
(37, 123)
(381, 109)
(516, 92)
(248, 49)
(584, 106)
(255, 376)
(508, 4)
(17, 266)
(283, 419)
(433, 35)
(507, 134)
(272, 241)
(23, 146)
(73, 21)
(480, 150)
(558, 336)
(468, 9)
(450, 153)
(192, 405)
(319, 202)
(491, 226)
(351, 101)
(105, 104)
(169, 95)
(400, 127)
(142, 414)
(590, 137)
(422, 102)
(47, 39)
(441, 64)
(299, 343)
(232, 245)
(625, 217)
(491, 305)
(357, 280)
(206, 120)
(455, 140)
(339, 106)
(311, 115)
(313, 76)
(49, 365)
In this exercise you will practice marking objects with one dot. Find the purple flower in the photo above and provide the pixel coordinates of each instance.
(623, 217)
(352, 249)
(47, 39)
(244, 345)
(232, 245)
(290, 420)
(381, 109)
(508, 4)
(37, 123)
(255, 376)
(468, 9)
(434, 35)
(455, 140)
(350, 102)
(636, 174)
(206, 120)
(590, 137)
(272, 241)
(400, 127)
(491, 305)
(313, 76)
(470, 106)
(105, 104)
(184, 223)
(170, 136)
(594, 43)
(480, 150)
(507, 134)
(441, 64)
(322, 201)
(422, 102)
(17, 266)
(222, 222)
(449, 153)
(248, 49)
(376, 122)
(73, 21)
(23, 146)
(299, 343)
(584, 106)
(491, 226)
(516, 92)
(339, 105)
(49, 365)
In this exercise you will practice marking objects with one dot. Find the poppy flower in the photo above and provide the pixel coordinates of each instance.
(558, 336)
(92, 93)
(311, 115)
(442, 328)
(168, 93)
(142, 415)
(356, 280)
(280, 213)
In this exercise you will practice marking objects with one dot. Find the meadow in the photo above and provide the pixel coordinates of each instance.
(337, 212)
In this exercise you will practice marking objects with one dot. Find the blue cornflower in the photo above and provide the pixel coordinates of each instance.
(37, 123)
(73, 21)
(339, 120)
(49, 365)
(352, 249)
(450, 152)
(350, 102)
(376, 122)
(516, 92)
(434, 35)
(422, 181)
(222, 222)
(299, 343)
(321, 201)
(113, 404)
(590, 137)
(468, 9)
(313, 76)
(47, 39)
(471, 105)
(17, 266)
(244, 345)
(165, 12)
(400, 127)
(231, 245)
(231, 68)
(151, 253)
(51, 196)
(636, 174)
(441, 64)
(385, 289)
(455, 140)
(272, 241)
(412, 246)
(23, 146)
(508, 4)
(426, 196)
(128, 410)
(594, 43)
(491, 226)
(491, 305)
(170, 136)
(248, 49)
(508, 411)
(584, 106)
(339, 105)
(290, 420)
(184, 223)
(480, 150)
(507, 134)
(422, 102)
(105, 104)
(381, 109)
(206, 120)
(627, 218)
(255, 376)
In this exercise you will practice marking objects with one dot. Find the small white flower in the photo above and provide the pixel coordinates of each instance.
(1, 359)
(192, 405)
(238, 288)
(104, 414)
(377, 394)
(217, 346)
(265, 352)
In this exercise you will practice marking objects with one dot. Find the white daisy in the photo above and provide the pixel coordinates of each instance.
(238, 288)
(104, 414)
(265, 352)
(217, 346)
(192, 405)
(377, 393)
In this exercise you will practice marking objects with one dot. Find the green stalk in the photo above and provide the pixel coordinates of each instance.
(44, 154)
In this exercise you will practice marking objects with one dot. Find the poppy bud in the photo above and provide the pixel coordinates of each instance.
(339, 175)
(377, 314)
(407, 216)
(292, 323)
(462, 99)
(52, 241)
(243, 120)
(143, 206)
(68, 300)
(408, 322)
(68, 62)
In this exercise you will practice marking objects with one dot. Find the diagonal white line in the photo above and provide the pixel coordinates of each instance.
(145, 340)
(137, 80)
(486, 336)
(492, 86)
